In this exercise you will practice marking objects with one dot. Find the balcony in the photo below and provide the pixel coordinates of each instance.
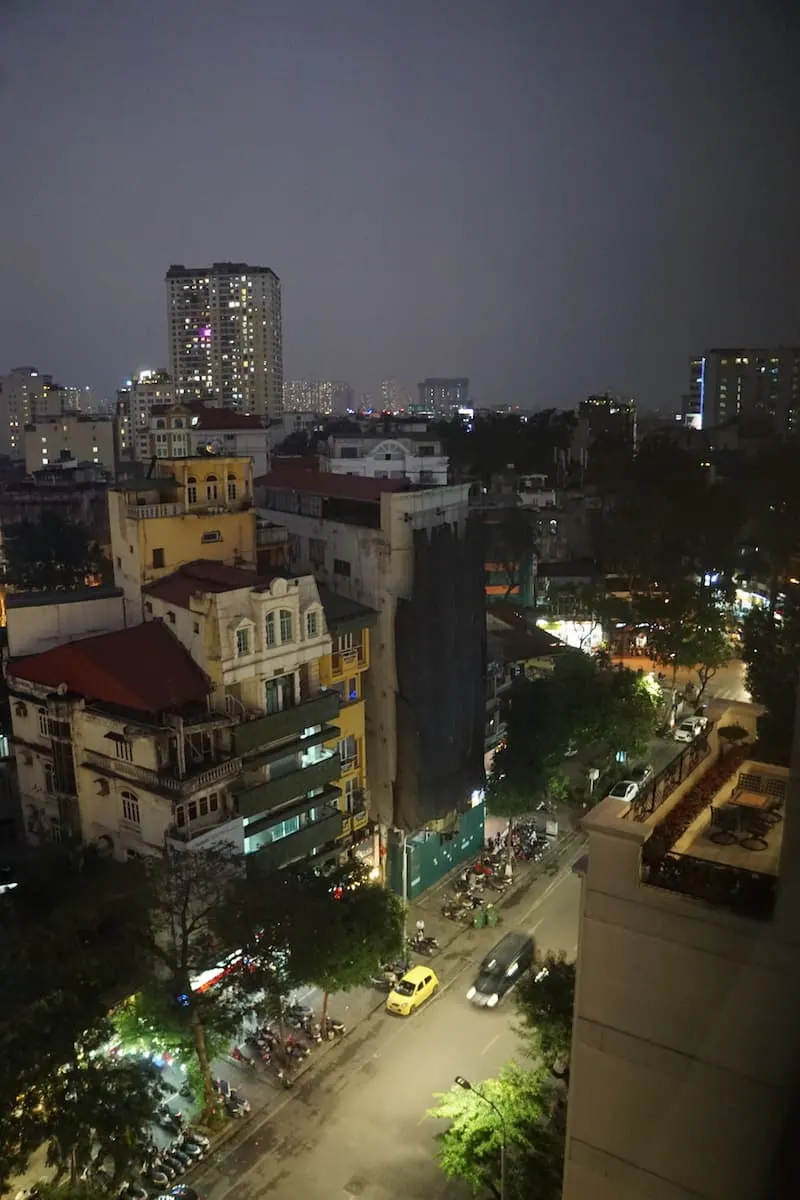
(345, 662)
(265, 797)
(275, 855)
(151, 512)
(271, 727)
(164, 780)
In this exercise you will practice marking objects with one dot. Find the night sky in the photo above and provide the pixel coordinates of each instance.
(550, 196)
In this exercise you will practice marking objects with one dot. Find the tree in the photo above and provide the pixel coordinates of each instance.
(545, 999)
(94, 1108)
(687, 630)
(345, 927)
(732, 734)
(771, 650)
(188, 894)
(51, 554)
(68, 953)
(512, 1112)
(511, 544)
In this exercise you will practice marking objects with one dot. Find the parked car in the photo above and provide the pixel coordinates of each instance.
(416, 986)
(571, 750)
(503, 966)
(626, 789)
(641, 773)
(691, 728)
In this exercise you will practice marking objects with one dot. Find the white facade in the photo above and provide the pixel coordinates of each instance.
(418, 459)
(71, 438)
(36, 622)
(28, 396)
(134, 404)
(375, 567)
(225, 335)
(180, 433)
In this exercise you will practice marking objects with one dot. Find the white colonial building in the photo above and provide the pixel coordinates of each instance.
(412, 454)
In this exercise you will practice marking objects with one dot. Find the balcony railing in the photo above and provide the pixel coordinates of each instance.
(196, 829)
(149, 512)
(747, 893)
(313, 837)
(343, 661)
(274, 793)
(271, 727)
(164, 779)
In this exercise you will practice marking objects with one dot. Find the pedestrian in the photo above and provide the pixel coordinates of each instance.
(420, 929)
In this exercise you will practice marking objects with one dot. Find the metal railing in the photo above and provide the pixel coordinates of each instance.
(348, 660)
(747, 893)
(147, 512)
(164, 779)
(661, 786)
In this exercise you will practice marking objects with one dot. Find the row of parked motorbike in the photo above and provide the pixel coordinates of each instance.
(280, 1054)
(162, 1165)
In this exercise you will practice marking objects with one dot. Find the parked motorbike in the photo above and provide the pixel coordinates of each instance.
(200, 1139)
(335, 1028)
(242, 1059)
(424, 945)
(221, 1087)
(298, 1012)
(187, 1146)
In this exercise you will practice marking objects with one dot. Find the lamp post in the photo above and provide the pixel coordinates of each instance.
(467, 1086)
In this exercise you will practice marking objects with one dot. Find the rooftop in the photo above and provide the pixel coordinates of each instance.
(210, 418)
(207, 575)
(343, 614)
(79, 596)
(142, 669)
(343, 487)
(514, 645)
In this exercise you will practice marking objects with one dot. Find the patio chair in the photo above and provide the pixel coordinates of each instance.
(724, 828)
(774, 810)
(755, 827)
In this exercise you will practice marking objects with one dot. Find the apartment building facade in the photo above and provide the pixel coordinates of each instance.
(225, 335)
(183, 510)
(686, 1046)
(135, 402)
(206, 725)
(71, 439)
(413, 557)
(416, 456)
(194, 429)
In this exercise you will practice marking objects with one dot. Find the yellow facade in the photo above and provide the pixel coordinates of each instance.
(343, 670)
(189, 509)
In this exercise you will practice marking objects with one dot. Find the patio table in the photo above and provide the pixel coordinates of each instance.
(750, 800)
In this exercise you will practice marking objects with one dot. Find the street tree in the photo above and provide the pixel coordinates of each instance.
(186, 895)
(545, 998)
(510, 1115)
(95, 1109)
(622, 713)
(51, 554)
(344, 928)
(771, 650)
(67, 955)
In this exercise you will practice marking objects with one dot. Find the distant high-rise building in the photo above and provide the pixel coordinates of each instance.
(135, 402)
(606, 414)
(225, 336)
(317, 395)
(759, 387)
(27, 396)
(442, 395)
(396, 397)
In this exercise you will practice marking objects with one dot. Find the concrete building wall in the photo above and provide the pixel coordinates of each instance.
(73, 438)
(685, 1040)
(36, 623)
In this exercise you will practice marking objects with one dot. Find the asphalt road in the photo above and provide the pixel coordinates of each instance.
(357, 1126)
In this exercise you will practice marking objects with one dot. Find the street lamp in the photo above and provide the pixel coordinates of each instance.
(467, 1086)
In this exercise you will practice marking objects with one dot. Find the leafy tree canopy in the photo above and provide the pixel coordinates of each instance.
(511, 1111)
(51, 554)
(771, 650)
(545, 999)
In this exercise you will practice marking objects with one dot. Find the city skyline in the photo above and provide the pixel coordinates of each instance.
(485, 231)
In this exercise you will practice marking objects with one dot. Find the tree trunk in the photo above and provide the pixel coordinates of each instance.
(509, 849)
(201, 1050)
(73, 1167)
(323, 1023)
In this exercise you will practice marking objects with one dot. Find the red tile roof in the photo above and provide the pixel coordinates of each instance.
(205, 576)
(143, 669)
(343, 487)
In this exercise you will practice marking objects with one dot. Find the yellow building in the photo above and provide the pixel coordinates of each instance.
(343, 671)
(185, 509)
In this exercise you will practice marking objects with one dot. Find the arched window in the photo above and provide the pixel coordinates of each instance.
(178, 423)
(161, 423)
(130, 808)
(211, 487)
(269, 630)
(191, 490)
(231, 487)
(286, 625)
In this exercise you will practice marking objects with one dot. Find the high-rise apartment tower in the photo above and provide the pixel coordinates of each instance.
(225, 335)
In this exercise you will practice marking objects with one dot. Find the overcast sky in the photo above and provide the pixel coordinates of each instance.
(550, 196)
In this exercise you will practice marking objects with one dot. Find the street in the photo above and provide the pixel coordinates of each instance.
(727, 684)
(356, 1126)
